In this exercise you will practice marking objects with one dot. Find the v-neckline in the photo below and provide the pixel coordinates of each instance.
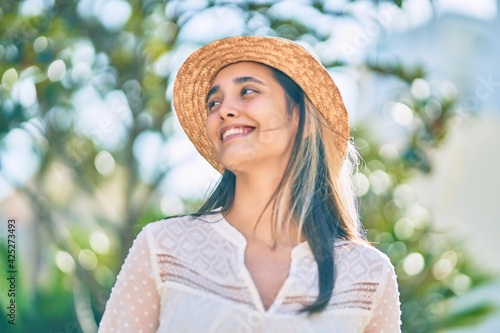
(224, 228)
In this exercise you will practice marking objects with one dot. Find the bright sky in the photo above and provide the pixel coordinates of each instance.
(480, 9)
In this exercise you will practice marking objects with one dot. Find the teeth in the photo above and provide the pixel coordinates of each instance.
(233, 131)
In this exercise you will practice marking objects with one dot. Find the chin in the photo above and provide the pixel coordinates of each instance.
(238, 159)
(235, 166)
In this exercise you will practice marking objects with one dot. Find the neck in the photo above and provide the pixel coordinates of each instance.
(252, 210)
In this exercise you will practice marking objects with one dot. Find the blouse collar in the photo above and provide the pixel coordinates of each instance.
(226, 230)
(230, 233)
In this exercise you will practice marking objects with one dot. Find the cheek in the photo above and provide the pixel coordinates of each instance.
(211, 129)
(272, 128)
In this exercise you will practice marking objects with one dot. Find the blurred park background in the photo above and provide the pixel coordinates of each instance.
(90, 150)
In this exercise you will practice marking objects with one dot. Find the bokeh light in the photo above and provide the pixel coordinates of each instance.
(100, 242)
(420, 89)
(414, 264)
(87, 259)
(401, 113)
(9, 78)
(105, 163)
(56, 70)
(65, 262)
(171, 204)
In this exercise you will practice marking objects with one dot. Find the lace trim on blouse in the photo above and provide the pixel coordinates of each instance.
(176, 271)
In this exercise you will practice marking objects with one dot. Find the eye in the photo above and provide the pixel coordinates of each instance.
(212, 104)
(246, 91)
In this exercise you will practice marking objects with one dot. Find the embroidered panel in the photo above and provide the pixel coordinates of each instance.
(174, 270)
(359, 296)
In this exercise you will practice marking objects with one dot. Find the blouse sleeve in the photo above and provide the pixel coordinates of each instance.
(134, 303)
(386, 313)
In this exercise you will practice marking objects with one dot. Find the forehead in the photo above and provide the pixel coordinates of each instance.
(244, 68)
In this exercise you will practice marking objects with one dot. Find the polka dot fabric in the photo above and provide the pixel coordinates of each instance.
(188, 275)
(134, 305)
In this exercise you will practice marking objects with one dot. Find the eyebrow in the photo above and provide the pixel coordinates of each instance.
(244, 79)
(212, 91)
(238, 80)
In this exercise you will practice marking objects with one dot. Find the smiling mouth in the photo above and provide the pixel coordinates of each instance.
(236, 131)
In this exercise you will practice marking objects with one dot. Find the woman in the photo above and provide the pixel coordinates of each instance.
(277, 247)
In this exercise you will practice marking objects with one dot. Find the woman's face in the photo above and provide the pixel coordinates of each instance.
(248, 123)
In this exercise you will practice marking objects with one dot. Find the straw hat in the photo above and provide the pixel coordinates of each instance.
(196, 75)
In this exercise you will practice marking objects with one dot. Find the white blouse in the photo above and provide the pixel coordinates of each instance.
(188, 275)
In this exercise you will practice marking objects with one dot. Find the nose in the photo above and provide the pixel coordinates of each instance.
(228, 109)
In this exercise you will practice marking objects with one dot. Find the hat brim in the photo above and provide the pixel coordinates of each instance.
(196, 75)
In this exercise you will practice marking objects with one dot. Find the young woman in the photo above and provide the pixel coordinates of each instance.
(278, 246)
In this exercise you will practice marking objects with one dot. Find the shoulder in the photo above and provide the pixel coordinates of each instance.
(172, 223)
(181, 224)
(360, 248)
(188, 231)
(363, 260)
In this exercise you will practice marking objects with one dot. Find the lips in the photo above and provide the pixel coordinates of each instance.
(234, 131)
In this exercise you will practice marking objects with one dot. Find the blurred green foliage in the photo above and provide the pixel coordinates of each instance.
(81, 220)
